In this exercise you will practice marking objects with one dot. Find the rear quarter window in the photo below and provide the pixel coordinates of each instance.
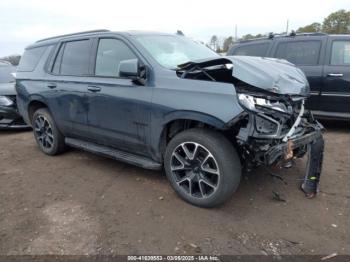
(299, 52)
(258, 49)
(30, 59)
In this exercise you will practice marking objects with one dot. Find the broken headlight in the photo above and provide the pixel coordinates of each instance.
(256, 103)
(5, 101)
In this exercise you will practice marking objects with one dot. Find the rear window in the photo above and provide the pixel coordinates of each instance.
(299, 52)
(75, 58)
(30, 59)
(252, 50)
(6, 72)
(340, 53)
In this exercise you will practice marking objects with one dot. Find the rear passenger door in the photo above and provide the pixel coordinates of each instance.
(119, 109)
(67, 84)
(335, 96)
(307, 54)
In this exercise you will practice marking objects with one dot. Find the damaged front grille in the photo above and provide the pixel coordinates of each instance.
(265, 122)
(265, 127)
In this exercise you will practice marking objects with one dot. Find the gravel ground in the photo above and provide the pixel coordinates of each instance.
(80, 203)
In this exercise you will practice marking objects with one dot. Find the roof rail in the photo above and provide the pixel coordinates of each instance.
(73, 34)
(271, 35)
(311, 33)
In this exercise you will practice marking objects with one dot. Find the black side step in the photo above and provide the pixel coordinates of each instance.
(114, 153)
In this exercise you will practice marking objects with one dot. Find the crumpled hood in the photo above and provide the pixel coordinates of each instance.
(7, 89)
(273, 75)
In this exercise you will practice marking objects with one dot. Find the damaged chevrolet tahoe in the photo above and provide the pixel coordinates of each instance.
(164, 101)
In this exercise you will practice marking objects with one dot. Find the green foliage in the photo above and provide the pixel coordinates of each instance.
(247, 37)
(250, 36)
(228, 42)
(314, 27)
(337, 22)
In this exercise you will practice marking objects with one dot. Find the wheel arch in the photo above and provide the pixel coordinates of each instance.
(179, 121)
(33, 105)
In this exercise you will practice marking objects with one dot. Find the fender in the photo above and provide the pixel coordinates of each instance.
(34, 98)
(158, 126)
(23, 103)
(193, 115)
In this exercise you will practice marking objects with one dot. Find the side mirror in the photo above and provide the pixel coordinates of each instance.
(129, 68)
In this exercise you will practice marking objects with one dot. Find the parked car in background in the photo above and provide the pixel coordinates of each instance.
(9, 116)
(160, 100)
(325, 60)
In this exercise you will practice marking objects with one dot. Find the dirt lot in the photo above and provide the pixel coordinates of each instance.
(79, 203)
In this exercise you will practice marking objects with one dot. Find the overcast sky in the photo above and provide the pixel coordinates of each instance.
(23, 22)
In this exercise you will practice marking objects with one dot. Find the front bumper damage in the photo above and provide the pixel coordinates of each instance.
(270, 140)
(286, 150)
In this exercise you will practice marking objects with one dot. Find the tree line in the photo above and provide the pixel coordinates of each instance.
(13, 59)
(336, 23)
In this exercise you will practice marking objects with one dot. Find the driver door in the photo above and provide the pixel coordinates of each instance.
(119, 109)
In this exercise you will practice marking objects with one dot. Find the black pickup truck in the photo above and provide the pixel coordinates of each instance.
(325, 60)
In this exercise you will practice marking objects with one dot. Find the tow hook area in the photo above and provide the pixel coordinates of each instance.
(310, 182)
(289, 152)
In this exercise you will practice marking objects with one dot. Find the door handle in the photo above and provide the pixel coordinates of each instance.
(51, 85)
(335, 75)
(94, 88)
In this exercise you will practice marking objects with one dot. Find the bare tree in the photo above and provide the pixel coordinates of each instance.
(214, 42)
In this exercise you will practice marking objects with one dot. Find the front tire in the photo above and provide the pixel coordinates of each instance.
(202, 166)
(48, 137)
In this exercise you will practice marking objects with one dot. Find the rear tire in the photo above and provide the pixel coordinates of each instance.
(48, 137)
(202, 166)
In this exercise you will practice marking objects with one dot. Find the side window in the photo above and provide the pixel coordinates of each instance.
(252, 50)
(75, 58)
(30, 59)
(299, 52)
(110, 53)
(340, 53)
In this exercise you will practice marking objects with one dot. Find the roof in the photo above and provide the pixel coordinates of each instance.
(55, 39)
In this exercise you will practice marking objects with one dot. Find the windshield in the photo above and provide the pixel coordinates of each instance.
(170, 51)
(6, 73)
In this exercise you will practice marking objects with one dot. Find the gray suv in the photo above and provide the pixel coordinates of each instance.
(163, 101)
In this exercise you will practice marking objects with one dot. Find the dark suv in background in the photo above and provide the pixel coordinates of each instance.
(325, 60)
(159, 100)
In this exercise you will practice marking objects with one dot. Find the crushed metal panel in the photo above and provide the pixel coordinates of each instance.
(274, 75)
